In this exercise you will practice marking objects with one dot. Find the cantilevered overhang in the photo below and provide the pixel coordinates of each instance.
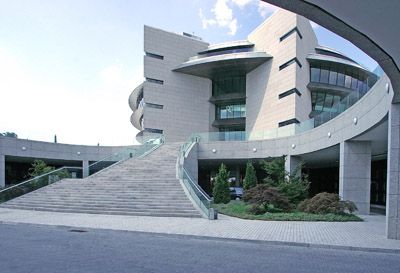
(207, 67)
(319, 58)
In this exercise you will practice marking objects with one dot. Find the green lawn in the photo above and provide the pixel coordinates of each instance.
(239, 209)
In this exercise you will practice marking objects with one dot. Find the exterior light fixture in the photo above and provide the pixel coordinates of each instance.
(329, 134)
(214, 151)
(23, 148)
(355, 120)
(254, 150)
(387, 87)
(78, 153)
(293, 146)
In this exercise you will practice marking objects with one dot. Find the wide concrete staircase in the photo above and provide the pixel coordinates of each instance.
(146, 186)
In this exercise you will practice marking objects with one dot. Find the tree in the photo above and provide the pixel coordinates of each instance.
(250, 179)
(221, 191)
(39, 167)
(294, 186)
(9, 134)
(275, 170)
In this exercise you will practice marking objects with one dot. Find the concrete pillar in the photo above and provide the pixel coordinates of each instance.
(85, 168)
(291, 163)
(2, 171)
(393, 174)
(355, 174)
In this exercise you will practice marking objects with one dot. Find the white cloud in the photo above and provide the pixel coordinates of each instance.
(206, 22)
(223, 17)
(265, 9)
(242, 3)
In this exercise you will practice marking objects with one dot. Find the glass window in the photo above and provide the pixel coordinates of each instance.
(340, 79)
(354, 82)
(332, 77)
(231, 111)
(315, 74)
(227, 85)
(320, 102)
(347, 81)
(328, 103)
(324, 76)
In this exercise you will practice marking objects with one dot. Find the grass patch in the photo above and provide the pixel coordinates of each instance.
(240, 209)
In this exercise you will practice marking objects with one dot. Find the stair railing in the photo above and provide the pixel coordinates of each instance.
(199, 197)
(38, 182)
(137, 151)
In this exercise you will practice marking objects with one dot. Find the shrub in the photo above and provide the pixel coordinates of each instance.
(221, 191)
(39, 167)
(324, 203)
(265, 196)
(250, 179)
(294, 186)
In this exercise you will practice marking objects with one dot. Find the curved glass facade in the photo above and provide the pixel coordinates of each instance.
(347, 78)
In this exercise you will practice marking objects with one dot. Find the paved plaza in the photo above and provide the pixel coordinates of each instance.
(368, 235)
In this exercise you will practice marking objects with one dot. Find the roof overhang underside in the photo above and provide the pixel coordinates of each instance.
(208, 67)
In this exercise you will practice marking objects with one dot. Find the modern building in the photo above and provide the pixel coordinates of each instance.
(276, 93)
(274, 80)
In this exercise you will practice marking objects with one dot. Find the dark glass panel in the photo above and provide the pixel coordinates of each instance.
(324, 76)
(347, 81)
(332, 77)
(315, 74)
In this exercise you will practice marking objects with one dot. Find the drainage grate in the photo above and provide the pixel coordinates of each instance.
(77, 230)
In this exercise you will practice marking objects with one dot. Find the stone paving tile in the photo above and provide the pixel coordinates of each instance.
(367, 234)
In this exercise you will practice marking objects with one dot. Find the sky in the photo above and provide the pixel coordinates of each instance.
(67, 68)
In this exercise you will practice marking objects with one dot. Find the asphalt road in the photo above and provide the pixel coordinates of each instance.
(28, 248)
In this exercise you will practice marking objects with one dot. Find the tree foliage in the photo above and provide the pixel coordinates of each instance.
(324, 203)
(250, 179)
(294, 186)
(265, 198)
(39, 167)
(221, 191)
(9, 134)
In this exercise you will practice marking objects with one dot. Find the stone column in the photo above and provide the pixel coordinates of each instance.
(85, 168)
(2, 171)
(355, 174)
(393, 174)
(291, 163)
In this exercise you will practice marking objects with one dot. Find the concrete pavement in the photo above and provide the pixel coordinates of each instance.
(368, 235)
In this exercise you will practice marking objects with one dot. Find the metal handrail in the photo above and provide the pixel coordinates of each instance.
(37, 177)
(198, 196)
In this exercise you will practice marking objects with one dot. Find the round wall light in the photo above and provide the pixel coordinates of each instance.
(293, 146)
(387, 87)
(355, 120)
(23, 148)
(214, 151)
(254, 150)
(78, 153)
(329, 134)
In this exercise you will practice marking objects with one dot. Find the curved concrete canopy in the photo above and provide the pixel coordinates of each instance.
(227, 45)
(207, 67)
(328, 49)
(369, 24)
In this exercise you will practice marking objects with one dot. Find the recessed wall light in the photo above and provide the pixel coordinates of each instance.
(254, 150)
(355, 120)
(214, 151)
(23, 148)
(293, 146)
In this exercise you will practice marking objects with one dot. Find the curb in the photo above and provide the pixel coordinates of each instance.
(221, 239)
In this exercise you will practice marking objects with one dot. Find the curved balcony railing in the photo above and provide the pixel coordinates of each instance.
(39, 182)
(196, 193)
(285, 131)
